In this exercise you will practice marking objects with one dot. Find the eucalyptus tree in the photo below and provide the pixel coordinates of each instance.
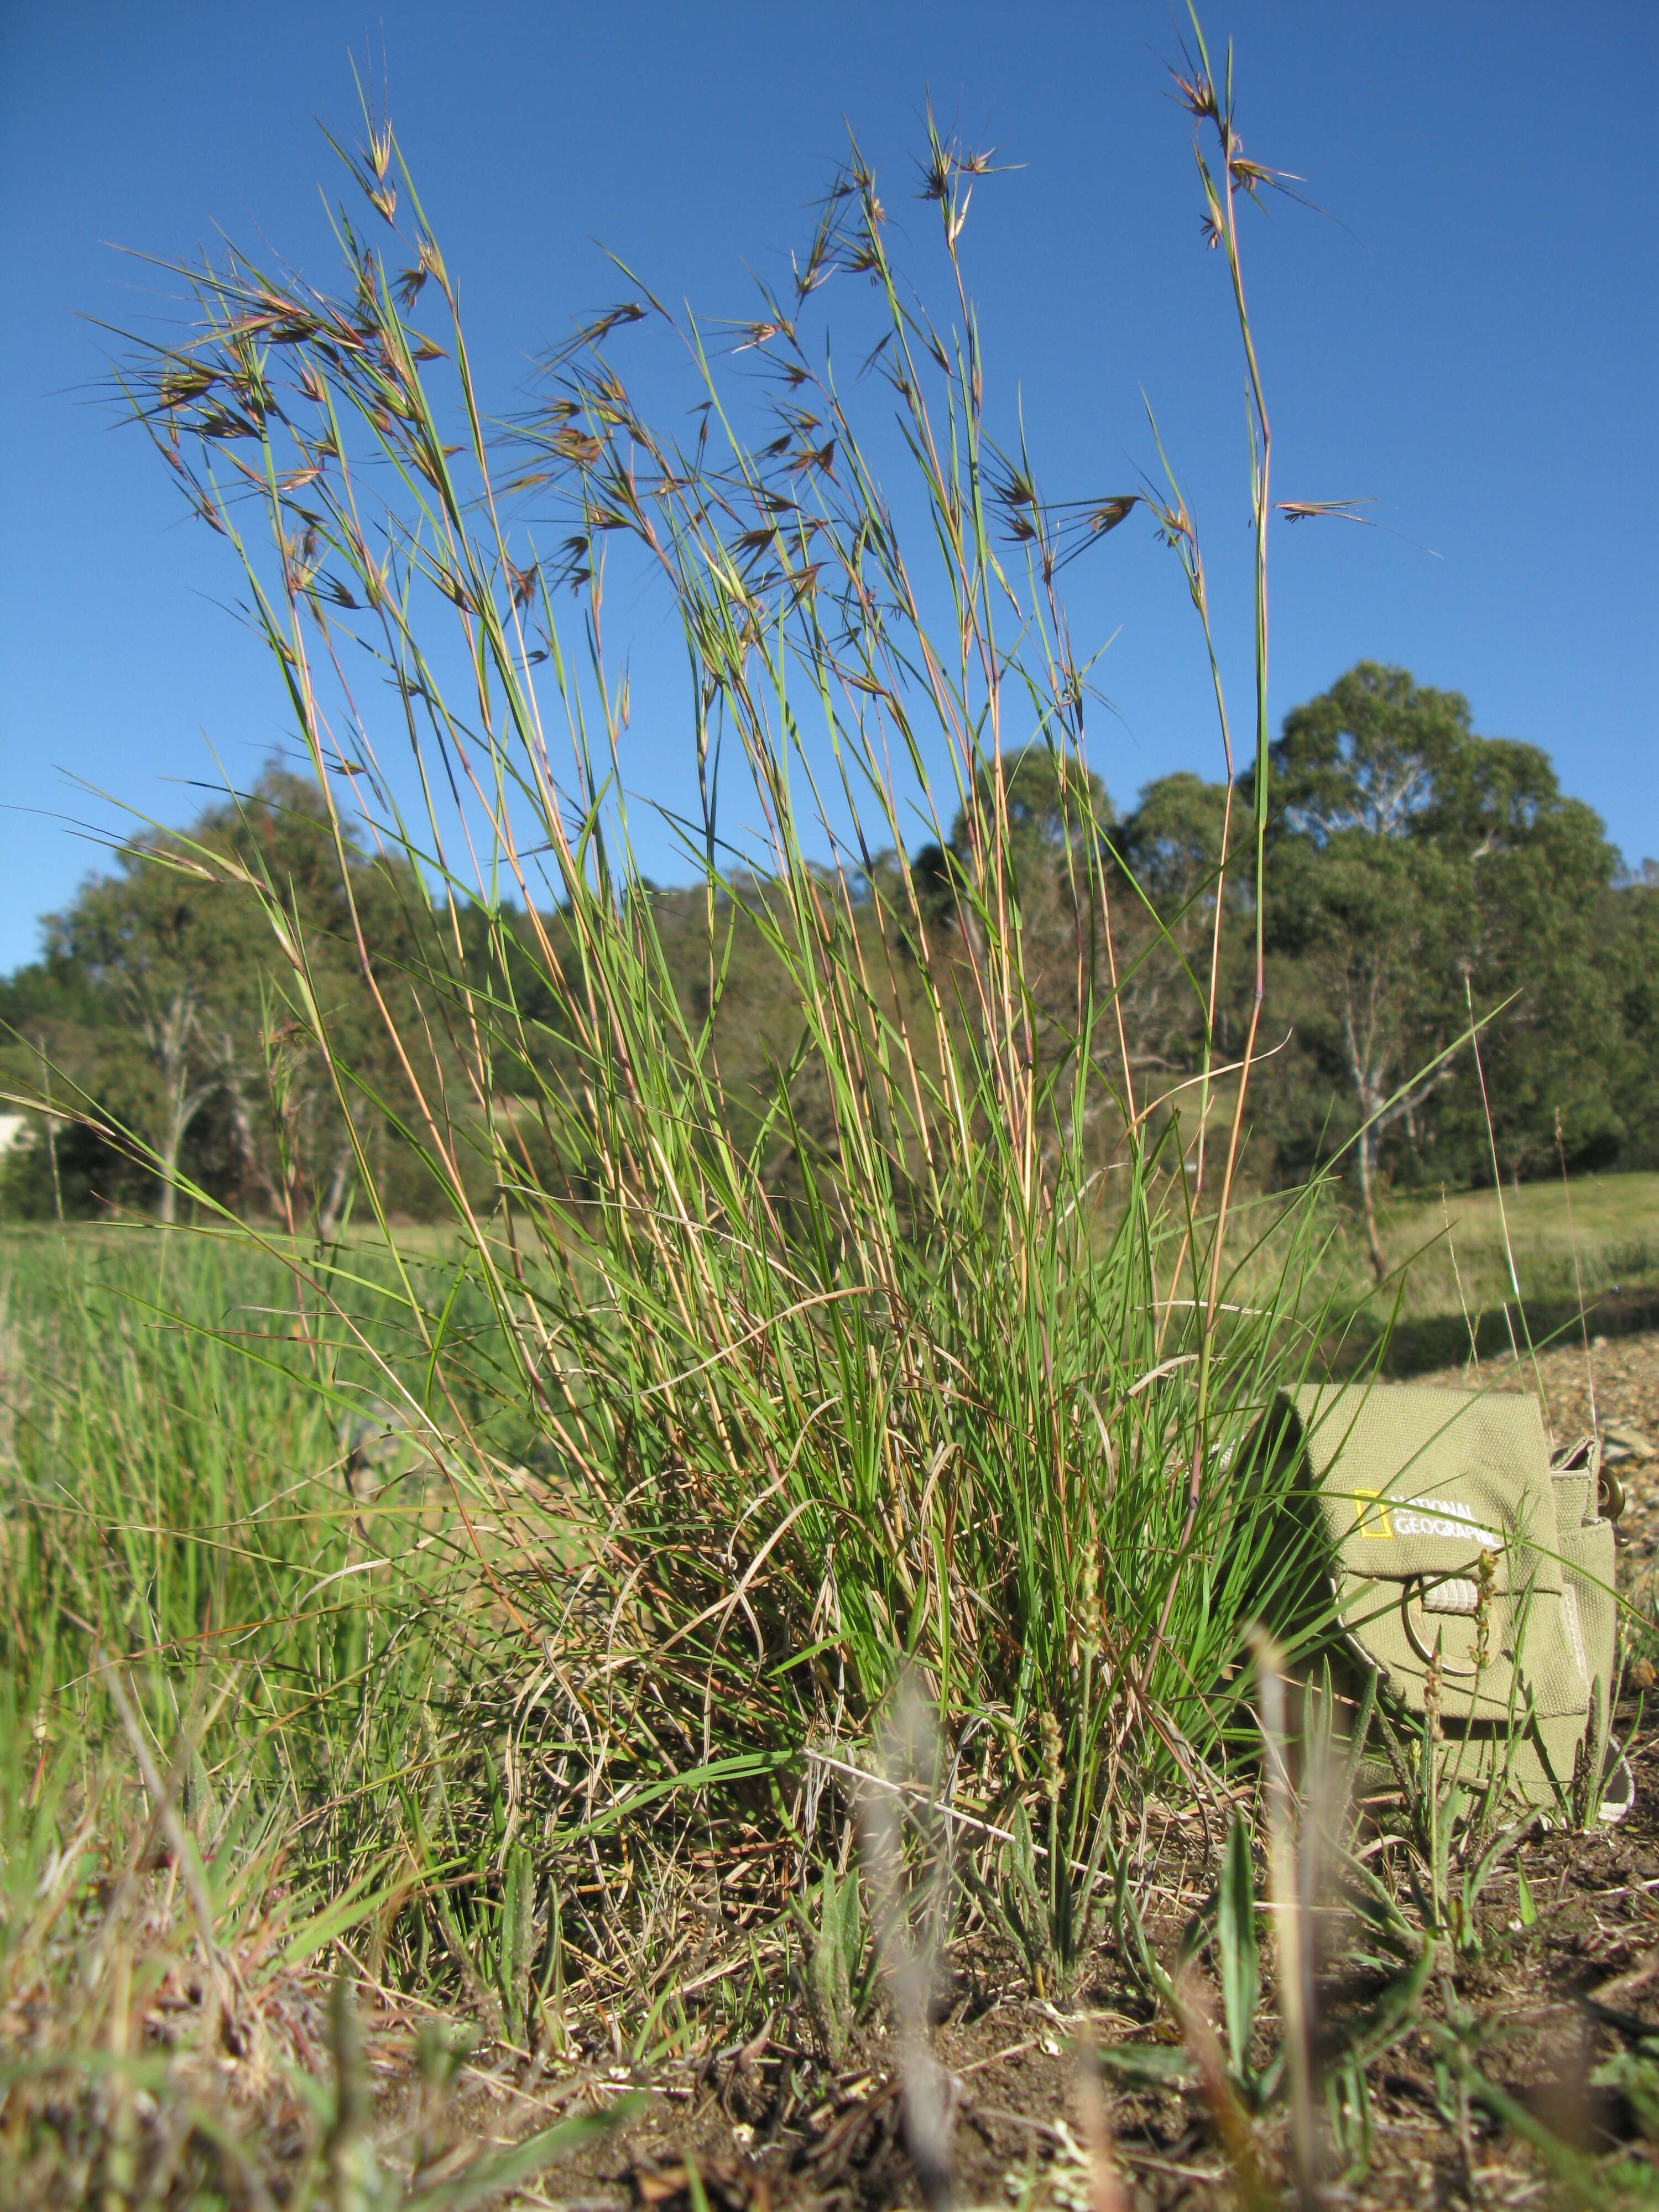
(1428, 880)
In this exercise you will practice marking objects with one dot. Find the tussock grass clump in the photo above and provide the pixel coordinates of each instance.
(867, 1374)
(570, 1566)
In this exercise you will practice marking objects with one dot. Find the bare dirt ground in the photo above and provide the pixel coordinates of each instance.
(1625, 1373)
(768, 2126)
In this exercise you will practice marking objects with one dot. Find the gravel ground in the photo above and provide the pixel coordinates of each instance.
(1627, 1372)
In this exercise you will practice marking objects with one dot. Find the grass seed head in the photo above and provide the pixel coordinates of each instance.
(1432, 1693)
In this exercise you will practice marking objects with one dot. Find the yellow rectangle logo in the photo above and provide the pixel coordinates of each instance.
(1371, 1514)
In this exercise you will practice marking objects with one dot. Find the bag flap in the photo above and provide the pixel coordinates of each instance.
(1414, 1482)
(1437, 1508)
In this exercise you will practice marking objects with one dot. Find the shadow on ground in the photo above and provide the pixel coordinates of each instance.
(1422, 1343)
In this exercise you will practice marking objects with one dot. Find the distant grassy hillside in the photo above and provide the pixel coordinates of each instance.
(1451, 1274)
(1447, 1258)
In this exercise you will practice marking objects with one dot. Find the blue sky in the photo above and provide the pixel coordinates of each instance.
(1470, 337)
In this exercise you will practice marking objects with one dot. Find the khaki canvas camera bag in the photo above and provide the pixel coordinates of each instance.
(1444, 1530)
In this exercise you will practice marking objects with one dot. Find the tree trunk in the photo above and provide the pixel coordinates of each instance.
(254, 1170)
(167, 1203)
(168, 1036)
(328, 1220)
(1368, 1197)
(185, 1105)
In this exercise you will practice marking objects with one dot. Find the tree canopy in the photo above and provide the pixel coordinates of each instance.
(160, 1013)
(1423, 879)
